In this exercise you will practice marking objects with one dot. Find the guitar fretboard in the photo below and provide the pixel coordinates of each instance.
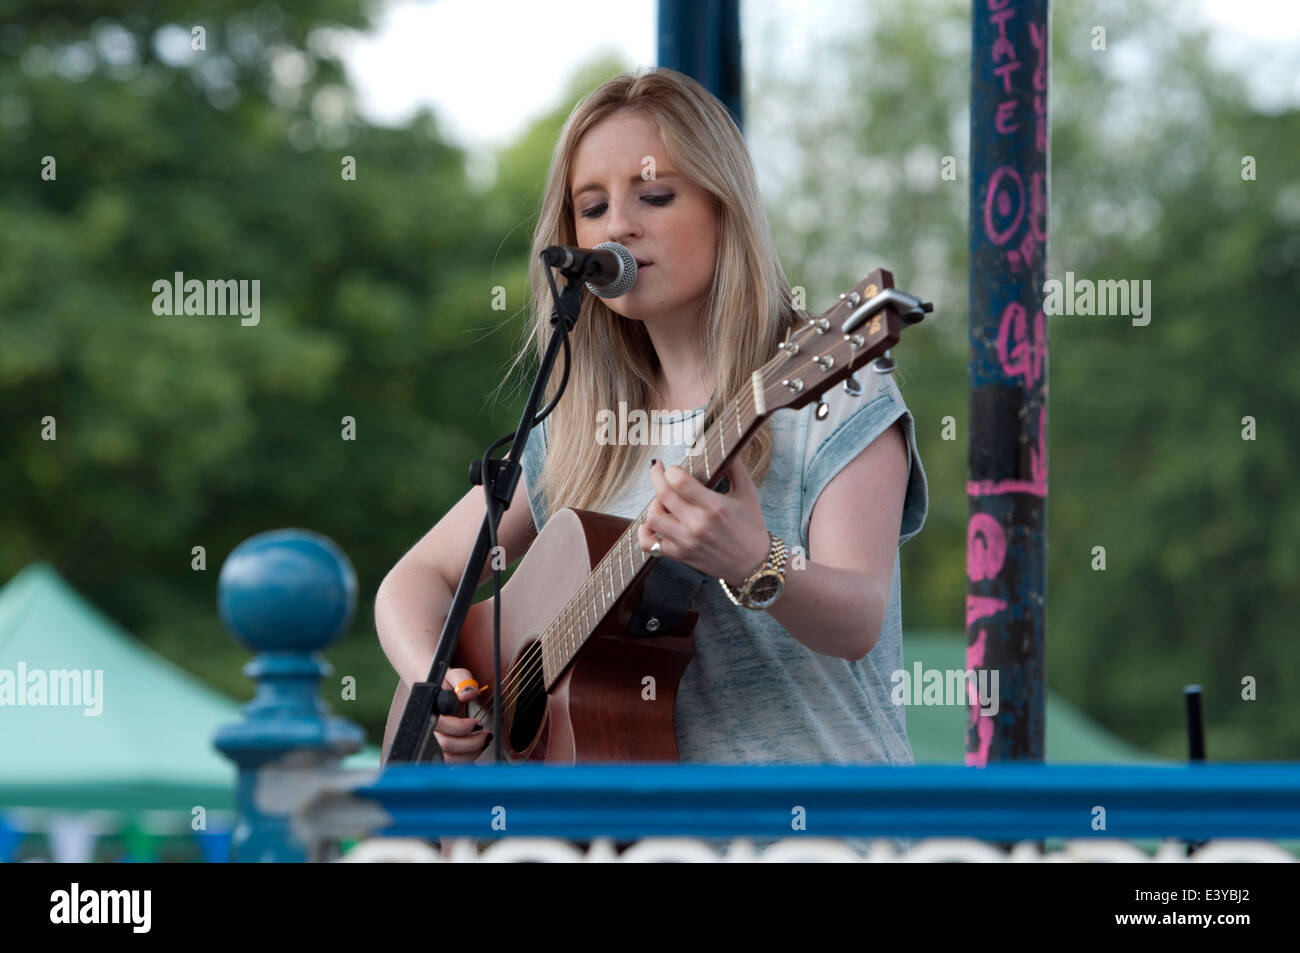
(624, 562)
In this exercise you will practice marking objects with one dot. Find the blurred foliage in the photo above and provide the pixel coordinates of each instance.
(175, 432)
(1146, 455)
(376, 303)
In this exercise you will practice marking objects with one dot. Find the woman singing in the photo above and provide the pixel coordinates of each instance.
(799, 672)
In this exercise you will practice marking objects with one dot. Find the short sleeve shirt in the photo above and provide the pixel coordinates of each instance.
(753, 693)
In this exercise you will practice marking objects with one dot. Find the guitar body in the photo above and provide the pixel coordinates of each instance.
(596, 711)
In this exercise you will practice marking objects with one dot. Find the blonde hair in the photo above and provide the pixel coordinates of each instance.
(747, 312)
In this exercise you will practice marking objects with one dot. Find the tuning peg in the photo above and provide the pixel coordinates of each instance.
(852, 387)
(917, 314)
(822, 409)
(884, 364)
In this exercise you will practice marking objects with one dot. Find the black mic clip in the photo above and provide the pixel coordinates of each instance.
(505, 476)
(571, 266)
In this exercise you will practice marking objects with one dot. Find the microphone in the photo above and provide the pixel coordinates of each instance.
(610, 269)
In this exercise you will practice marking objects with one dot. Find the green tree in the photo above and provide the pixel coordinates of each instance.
(1146, 455)
(377, 294)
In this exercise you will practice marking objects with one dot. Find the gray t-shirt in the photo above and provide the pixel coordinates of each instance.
(753, 693)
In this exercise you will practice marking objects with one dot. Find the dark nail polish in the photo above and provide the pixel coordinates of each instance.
(487, 741)
(478, 727)
(653, 460)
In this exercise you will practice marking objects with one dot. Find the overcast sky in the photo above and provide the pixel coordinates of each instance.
(480, 65)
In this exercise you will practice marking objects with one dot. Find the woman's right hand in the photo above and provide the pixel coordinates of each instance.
(462, 739)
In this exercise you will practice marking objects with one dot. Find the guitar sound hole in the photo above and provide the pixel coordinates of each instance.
(529, 707)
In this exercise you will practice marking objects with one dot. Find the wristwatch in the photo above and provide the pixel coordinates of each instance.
(764, 586)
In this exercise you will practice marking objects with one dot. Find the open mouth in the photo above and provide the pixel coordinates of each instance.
(643, 264)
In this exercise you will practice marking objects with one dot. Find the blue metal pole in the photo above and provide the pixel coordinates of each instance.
(701, 38)
(1006, 536)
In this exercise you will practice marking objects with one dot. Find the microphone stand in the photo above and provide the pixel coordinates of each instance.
(414, 740)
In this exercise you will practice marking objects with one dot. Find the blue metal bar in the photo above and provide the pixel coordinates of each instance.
(1008, 802)
(701, 38)
(1006, 536)
(287, 595)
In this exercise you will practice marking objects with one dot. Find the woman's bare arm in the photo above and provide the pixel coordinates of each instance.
(413, 600)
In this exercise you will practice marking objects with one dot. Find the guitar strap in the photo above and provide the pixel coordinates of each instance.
(668, 593)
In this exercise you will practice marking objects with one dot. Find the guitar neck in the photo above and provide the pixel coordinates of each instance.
(812, 359)
(625, 562)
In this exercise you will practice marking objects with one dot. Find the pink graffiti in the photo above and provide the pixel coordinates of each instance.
(1004, 73)
(1021, 342)
(1020, 353)
(1004, 204)
(1003, 48)
(986, 547)
(1040, 73)
(1037, 482)
(1040, 87)
(981, 607)
(978, 758)
(1037, 208)
(1003, 122)
(1023, 254)
(1004, 199)
(975, 651)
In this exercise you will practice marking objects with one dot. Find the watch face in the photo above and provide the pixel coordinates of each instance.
(765, 589)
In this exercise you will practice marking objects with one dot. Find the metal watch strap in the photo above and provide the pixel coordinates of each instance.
(775, 561)
(774, 567)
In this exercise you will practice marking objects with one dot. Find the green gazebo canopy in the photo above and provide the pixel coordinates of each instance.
(150, 745)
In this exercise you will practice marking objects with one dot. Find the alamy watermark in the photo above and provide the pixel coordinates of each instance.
(129, 907)
(53, 688)
(1131, 298)
(953, 686)
(645, 428)
(177, 296)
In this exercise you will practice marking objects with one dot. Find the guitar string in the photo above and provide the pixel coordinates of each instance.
(523, 679)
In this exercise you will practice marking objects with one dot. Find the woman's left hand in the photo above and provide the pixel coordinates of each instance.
(720, 534)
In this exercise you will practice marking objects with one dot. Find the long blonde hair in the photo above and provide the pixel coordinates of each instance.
(747, 312)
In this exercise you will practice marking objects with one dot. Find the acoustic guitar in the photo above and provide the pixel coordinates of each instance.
(572, 677)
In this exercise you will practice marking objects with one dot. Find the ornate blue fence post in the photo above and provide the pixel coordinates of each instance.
(285, 595)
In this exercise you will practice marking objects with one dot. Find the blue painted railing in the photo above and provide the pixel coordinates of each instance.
(287, 595)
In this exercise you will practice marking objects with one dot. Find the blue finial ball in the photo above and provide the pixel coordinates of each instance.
(287, 590)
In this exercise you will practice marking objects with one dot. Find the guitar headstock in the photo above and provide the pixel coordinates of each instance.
(820, 354)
